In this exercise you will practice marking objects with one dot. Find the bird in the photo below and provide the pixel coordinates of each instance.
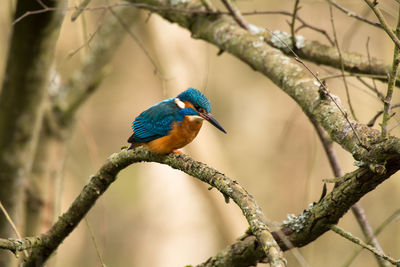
(172, 123)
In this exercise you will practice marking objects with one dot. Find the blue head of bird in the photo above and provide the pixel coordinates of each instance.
(199, 106)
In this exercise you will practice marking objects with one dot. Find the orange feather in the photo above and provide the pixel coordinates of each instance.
(182, 133)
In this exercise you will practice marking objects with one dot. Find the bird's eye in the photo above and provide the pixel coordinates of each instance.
(197, 107)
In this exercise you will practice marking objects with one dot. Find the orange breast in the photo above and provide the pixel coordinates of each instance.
(182, 133)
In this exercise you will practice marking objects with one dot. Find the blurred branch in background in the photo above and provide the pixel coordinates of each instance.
(352, 111)
(59, 120)
(30, 55)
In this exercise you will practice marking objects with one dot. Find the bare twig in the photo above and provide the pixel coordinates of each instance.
(375, 88)
(93, 238)
(395, 215)
(341, 63)
(366, 228)
(358, 241)
(372, 88)
(236, 14)
(357, 75)
(138, 42)
(357, 210)
(79, 9)
(322, 86)
(10, 221)
(86, 43)
(373, 120)
(392, 81)
(386, 27)
(292, 26)
(354, 15)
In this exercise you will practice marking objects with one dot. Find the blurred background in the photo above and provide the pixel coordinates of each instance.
(156, 216)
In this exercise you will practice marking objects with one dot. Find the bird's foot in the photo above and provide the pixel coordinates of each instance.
(177, 152)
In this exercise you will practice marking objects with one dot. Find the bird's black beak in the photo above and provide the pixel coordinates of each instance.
(210, 119)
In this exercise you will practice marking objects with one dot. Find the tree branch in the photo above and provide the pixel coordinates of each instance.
(312, 222)
(354, 15)
(21, 244)
(236, 14)
(386, 27)
(353, 113)
(357, 210)
(358, 241)
(118, 161)
(287, 75)
(392, 81)
(318, 53)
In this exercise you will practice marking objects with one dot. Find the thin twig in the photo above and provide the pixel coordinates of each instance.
(208, 11)
(351, 74)
(236, 14)
(358, 241)
(292, 24)
(372, 88)
(79, 9)
(87, 41)
(395, 215)
(375, 88)
(357, 210)
(354, 15)
(94, 242)
(373, 120)
(136, 39)
(384, 24)
(341, 62)
(10, 221)
(366, 228)
(392, 81)
(327, 144)
(322, 87)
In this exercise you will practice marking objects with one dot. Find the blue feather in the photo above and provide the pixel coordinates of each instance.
(156, 121)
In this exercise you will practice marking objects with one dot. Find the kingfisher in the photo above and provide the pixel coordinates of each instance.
(173, 123)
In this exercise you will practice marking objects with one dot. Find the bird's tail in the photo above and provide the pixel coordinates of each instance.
(132, 141)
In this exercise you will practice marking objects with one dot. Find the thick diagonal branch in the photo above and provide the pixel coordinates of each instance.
(312, 222)
(118, 161)
(297, 82)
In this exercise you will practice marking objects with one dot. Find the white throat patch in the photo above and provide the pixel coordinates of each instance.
(179, 103)
(195, 118)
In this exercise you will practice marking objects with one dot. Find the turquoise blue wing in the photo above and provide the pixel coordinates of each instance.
(155, 122)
